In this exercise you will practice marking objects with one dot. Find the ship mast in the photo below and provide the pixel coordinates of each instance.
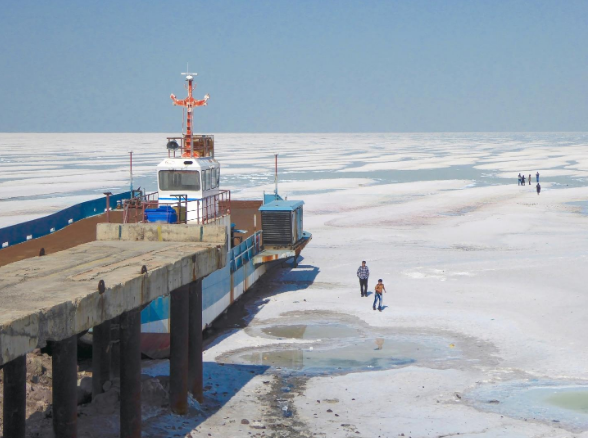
(189, 103)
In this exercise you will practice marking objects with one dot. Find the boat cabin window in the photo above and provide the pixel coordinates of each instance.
(214, 178)
(179, 180)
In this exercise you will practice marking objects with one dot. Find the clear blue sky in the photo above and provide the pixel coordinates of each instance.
(295, 66)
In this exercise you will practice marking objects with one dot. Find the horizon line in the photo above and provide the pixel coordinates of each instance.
(306, 133)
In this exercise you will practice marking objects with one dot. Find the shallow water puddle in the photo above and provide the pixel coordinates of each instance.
(582, 207)
(548, 401)
(311, 331)
(345, 349)
(573, 400)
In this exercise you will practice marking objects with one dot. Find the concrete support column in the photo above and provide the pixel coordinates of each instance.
(101, 356)
(15, 399)
(179, 304)
(65, 387)
(195, 340)
(129, 334)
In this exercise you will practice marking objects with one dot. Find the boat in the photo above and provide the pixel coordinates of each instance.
(260, 232)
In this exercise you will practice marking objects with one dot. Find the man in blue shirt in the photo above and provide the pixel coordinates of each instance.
(363, 274)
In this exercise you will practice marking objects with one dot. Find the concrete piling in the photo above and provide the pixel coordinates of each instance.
(101, 356)
(65, 387)
(179, 316)
(130, 332)
(195, 340)
(14, 409)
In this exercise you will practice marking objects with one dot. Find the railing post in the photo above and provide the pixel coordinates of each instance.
(179, 210)
(108, 195)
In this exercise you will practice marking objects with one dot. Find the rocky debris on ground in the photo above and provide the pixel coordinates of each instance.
(39, 382)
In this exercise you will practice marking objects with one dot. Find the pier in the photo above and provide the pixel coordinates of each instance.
(98, 285)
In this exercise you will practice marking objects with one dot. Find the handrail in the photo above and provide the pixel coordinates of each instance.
(247, 250)
(208, 209)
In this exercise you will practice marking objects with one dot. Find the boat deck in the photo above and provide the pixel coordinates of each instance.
(84, 231)
(80, 232)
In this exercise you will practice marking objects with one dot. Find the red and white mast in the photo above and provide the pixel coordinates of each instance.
(189, 103)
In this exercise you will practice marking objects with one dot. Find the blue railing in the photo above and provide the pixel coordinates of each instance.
(242, 253)
(43, 226)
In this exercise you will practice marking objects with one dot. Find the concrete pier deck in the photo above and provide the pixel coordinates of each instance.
(54, 297)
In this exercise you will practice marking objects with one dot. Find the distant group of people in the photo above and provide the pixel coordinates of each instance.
(363, 274)
(522, 181)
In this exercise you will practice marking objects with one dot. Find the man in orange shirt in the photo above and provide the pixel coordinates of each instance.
(379, 290)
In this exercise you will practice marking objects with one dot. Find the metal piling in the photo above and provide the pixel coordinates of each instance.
(15, 402)
(65, 387)
(179, 320)
(101, 357)
(130, 333)
(195, 340)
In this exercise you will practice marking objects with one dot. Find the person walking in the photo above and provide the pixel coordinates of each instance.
(379, 291)
(537, 177)
(363, 274)
(519, 179)
(529, 179)
(538, 188)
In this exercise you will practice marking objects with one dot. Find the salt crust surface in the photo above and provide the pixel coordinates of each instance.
(89, 164)
(510, 271)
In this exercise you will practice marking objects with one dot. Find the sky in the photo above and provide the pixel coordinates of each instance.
(295, 66)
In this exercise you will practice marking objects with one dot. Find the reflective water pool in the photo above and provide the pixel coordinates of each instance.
(548, 401)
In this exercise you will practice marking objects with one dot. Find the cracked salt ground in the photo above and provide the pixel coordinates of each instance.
(535, 400)
(339, 349)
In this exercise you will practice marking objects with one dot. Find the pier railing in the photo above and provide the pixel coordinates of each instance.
(201, 211)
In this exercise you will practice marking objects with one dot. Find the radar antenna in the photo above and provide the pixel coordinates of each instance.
(189, 103)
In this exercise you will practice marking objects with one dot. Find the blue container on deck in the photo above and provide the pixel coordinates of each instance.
(165, 214)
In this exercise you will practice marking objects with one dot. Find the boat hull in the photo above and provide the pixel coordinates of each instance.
(220, 290)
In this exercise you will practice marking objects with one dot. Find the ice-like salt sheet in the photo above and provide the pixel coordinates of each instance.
(85, 165)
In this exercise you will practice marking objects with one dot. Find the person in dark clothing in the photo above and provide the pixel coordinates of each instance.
(537, 176)
(538, 188)
(363, 274)
(519, 179)
(529, 179)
